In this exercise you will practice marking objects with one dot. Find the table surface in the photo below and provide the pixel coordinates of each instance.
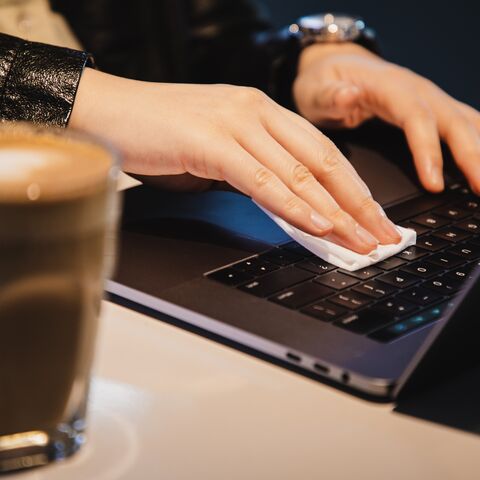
(169, 404)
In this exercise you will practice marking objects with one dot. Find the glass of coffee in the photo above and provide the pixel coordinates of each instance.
(58, 218)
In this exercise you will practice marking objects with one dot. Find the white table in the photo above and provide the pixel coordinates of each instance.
(168, 404)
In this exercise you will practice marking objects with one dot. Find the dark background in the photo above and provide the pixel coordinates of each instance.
(437, 39)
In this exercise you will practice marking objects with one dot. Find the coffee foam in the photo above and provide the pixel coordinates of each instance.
(42, 166)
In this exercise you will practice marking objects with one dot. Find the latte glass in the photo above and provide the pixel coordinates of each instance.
(58, 219)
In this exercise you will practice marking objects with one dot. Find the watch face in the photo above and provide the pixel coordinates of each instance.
(332, 27)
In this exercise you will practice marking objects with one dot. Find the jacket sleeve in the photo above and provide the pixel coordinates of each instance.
(233, 42)
(38, 82)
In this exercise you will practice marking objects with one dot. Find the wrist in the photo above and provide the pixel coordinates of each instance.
(322, 51)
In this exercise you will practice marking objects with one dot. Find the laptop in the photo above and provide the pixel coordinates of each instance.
(215, 261)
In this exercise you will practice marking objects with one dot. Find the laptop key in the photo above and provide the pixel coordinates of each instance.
(391, 263)
(276, 281)
(301, 295)
(431, 221)
(421, 296)
(325, 311)
(280, 257)
(420, 229)
(452, 234)
(431, 243)
(316, 265)
(423, 269)
(443, 285)
(255, 266)
(351, 300)
(412, 253)
(396, 307)
(467, 251)
(336, 280)
(451, 213)
(460, 274)
(230, 276)
(470, 225)
(363, 273)
(399, 279)
(445, 259)
(375, 289)
(470, 205)
(365, 321)
(392, 332)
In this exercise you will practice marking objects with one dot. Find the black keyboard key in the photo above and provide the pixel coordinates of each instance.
(230, 276)
(412, 253)
(443, 285)
(460, 274)
(325, 311)
(351, 300)
(431, 221)
(281, 257)
(420, 229)
(432, 244)
(276, 281)
(423, 269)
(392, 332)
(255, 266)
(365, 321)
(415, 206)
(445, 259)
(421, 296)
(452, 234)
(375, 289)
(467, 251)
(395, 307)
(298, 249)
(471, 205)
(316, 265)
(470, 225)
(451, 213)
(336, 280)
(301, 295)
(390, 263)
(399, 279)
(363, 273)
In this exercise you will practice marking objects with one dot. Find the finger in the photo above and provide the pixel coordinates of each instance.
(302, 183)
(249, 176)
(463, 140)
(470, 113)
(335, 173)
(423, 138)
(335, 101)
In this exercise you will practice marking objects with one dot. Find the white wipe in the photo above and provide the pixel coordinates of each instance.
(340, 256)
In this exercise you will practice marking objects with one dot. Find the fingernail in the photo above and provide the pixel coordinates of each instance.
(435, 174)
(320, 221)
(366, 237)
(389, 227)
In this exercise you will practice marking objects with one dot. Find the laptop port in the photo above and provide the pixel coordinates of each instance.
(321, 368)
(294, 357)
(345, 377)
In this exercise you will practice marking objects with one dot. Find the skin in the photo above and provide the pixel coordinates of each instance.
(188, 136)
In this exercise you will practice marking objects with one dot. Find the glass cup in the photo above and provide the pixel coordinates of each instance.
(58, 219)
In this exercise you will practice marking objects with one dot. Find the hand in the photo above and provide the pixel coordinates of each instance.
(239, 135)
(344, 85)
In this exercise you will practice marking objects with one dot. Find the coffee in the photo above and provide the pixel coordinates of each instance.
(57, 217)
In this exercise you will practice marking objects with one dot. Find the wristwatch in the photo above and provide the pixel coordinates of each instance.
(321, 28)
(333, 28)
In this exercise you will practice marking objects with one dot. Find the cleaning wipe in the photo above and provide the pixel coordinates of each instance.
(340, 256)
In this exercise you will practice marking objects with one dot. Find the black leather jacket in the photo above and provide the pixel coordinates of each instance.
(202, 41)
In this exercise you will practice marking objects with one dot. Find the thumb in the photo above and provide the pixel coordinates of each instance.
(337, 101)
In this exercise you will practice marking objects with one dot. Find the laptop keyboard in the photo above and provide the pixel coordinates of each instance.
(389, 299)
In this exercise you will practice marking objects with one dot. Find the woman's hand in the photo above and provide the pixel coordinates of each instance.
(239, 135)
(344, 85)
